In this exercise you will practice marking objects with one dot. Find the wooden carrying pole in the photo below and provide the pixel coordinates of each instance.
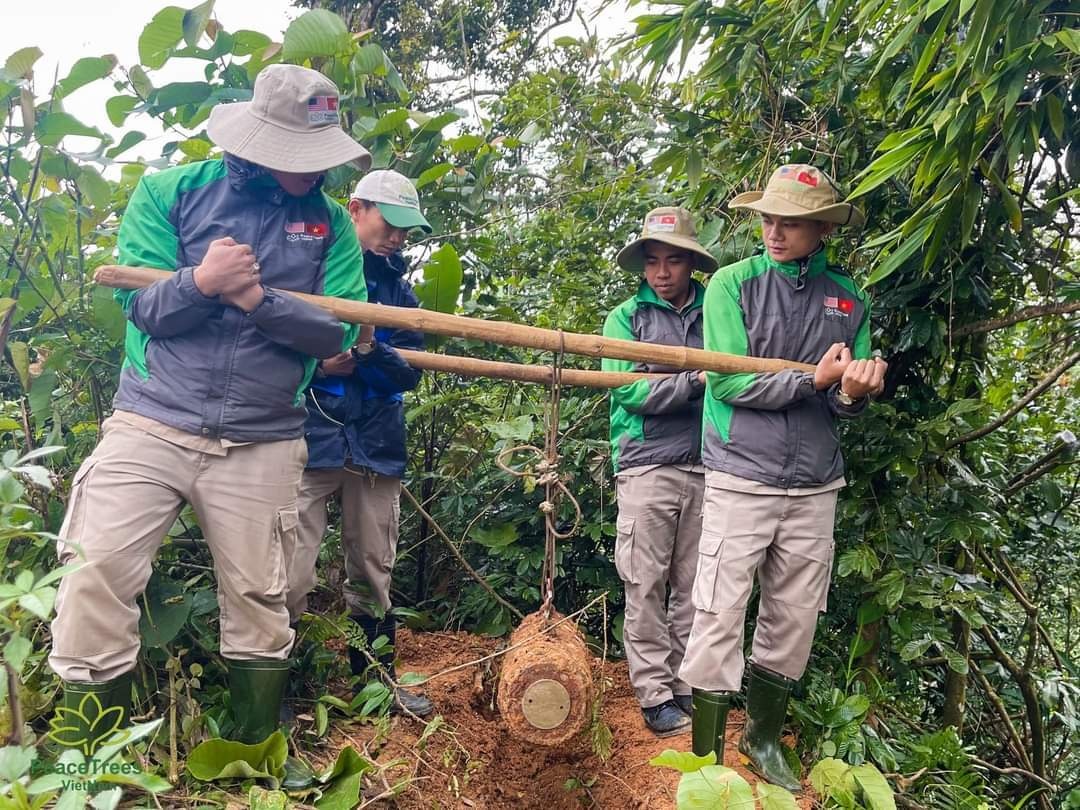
(472, 367)
(506, 334)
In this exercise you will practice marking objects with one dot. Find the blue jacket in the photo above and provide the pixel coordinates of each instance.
(369, 403)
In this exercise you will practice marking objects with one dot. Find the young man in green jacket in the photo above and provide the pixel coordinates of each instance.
(773, 459)
(656, 450)
(210, 406)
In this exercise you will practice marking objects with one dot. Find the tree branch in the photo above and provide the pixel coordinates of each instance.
(468, 95)
(1044, 383)
(1025, 314)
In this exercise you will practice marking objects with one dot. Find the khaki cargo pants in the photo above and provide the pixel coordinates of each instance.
(370, 510)
(656, 549)
(126, 496)
(787, 540)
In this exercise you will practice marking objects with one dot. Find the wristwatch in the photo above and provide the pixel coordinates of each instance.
(844, 399)
(361, 349)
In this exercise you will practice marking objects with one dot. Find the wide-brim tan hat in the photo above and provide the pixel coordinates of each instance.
(291, 124)
(798, 190)
(672, 226)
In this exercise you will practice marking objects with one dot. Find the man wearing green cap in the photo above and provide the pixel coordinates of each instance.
(356, 431)
(656, 450)
(773, 460)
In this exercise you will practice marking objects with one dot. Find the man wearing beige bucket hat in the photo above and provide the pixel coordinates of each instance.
(210, 406)
(656, 450)
(773, 460)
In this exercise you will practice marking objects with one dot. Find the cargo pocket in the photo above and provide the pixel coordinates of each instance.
(75, 518)
(624, 549)
(823, 601)
(703, 595)
(283, 547)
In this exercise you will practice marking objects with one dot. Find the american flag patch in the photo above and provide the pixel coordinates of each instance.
(322, 110)
(661, 223)
(830, 301)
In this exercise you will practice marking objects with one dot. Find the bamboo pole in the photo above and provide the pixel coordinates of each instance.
(473, 367)
(507, 334)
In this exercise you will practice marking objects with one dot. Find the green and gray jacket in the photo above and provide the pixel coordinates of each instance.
(776, 428)
(210, 369)
(656, 421)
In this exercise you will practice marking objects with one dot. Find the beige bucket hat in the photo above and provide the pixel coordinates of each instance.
(291, 124)
(672, 226)
(798, 190)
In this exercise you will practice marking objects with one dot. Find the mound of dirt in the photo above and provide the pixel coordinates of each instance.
(472, 761)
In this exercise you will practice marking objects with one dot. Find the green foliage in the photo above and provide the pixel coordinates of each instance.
(851, 786)
(217, 759)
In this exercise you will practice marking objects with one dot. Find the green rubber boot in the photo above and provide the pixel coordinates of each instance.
(88, 713)
(709, 716)
(766, 708)
(257, 689)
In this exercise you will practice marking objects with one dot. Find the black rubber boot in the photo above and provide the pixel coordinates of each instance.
(709, 722)
(766, 709)
(405, 700)
(88, 713)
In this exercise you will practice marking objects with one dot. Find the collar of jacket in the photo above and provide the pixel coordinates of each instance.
(247, 176)
(810, 265)
(393, 265)
(647, 295)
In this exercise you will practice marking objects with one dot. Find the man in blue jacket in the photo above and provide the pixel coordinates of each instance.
(356, 431)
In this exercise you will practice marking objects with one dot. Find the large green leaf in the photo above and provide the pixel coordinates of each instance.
(118, 108)
(53, 127)
(15, 761)
(683, 761)
(876, 791)
(20, 358)
(441, 285)
(166, 607)
(160, 36)
(83, 72)
(345, 779)
(94, 188)
(130, 139)
(193, 24)
(225, 759)
(714, 787)
(833, 777)
(315, 33)
(772, 797)
(20, 65)
(502, 534)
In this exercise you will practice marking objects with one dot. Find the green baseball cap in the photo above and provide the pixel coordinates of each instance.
(395, 197)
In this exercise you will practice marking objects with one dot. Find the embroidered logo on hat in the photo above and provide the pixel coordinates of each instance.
(322, 110)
